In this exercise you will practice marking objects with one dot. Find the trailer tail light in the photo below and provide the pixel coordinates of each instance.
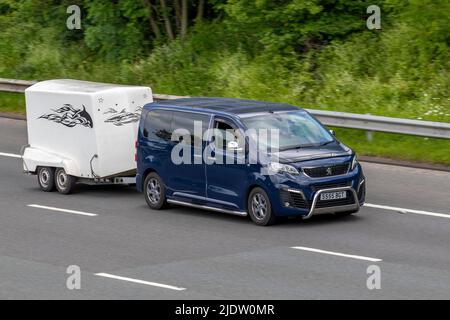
(136, 144)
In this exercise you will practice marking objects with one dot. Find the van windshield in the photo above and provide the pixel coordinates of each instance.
(296, 129)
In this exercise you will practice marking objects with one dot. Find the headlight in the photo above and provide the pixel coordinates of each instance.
(354, 162)
(276, 167)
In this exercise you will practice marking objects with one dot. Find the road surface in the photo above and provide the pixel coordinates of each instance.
(125, 250)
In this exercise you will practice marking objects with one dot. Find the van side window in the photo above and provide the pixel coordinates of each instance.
(158, 125)
(187, 121)
(224, 127)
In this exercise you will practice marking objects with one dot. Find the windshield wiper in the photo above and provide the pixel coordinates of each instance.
(325, 143)
(299, 146)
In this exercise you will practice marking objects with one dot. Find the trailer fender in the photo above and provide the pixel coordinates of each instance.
(33, 158)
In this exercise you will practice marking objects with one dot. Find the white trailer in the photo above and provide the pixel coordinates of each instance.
(81, 131)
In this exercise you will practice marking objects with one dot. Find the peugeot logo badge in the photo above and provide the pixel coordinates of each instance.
(329, 171)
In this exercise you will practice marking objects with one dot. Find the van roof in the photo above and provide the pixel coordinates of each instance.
(228, 105)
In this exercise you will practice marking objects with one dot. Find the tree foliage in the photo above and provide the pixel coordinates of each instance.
(316, 53)
(296, 25)
(126, 29)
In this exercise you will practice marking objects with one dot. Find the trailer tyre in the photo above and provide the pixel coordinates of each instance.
(64, 182)
(46, 178)
(155, 191)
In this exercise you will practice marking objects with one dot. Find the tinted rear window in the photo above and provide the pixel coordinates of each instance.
(187, 121)
(158, 125)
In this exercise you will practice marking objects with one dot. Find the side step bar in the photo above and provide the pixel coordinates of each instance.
(199, 206)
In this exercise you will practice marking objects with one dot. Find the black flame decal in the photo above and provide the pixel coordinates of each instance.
(120, 118)
(70, 116)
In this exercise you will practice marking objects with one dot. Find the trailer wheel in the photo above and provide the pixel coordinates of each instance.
(64, 183)
(46, 178)
(155, 191)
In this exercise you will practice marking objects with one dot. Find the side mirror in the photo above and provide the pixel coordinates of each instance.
(332, 132)
(233, 146)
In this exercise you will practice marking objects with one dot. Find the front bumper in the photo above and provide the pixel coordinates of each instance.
(333, 209)
(295, 199)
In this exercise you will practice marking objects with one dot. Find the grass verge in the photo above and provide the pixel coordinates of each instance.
(397, 146)
(12, 102)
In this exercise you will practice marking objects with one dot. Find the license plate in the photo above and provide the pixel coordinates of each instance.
(333, 195)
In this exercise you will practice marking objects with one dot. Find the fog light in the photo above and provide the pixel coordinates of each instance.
(287, 204)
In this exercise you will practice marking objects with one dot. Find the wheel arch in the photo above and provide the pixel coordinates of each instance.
(250, 189)
(146, 173)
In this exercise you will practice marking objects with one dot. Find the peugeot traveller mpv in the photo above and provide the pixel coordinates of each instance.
(245, 157)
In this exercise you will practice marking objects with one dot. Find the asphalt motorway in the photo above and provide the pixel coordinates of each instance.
(126, 251)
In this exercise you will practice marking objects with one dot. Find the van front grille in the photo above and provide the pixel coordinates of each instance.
(330, 185)
(327, 171)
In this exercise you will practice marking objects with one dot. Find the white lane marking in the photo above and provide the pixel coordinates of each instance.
(154, 284)
(338, 254)
(11, 155)
(403, 210)
(63, 210)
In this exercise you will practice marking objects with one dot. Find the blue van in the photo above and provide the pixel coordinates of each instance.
(302, 171)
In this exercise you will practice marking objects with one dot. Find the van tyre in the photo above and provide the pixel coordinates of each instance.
(155, 191)
(64, 182)
(46, 178)
(259, 208)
